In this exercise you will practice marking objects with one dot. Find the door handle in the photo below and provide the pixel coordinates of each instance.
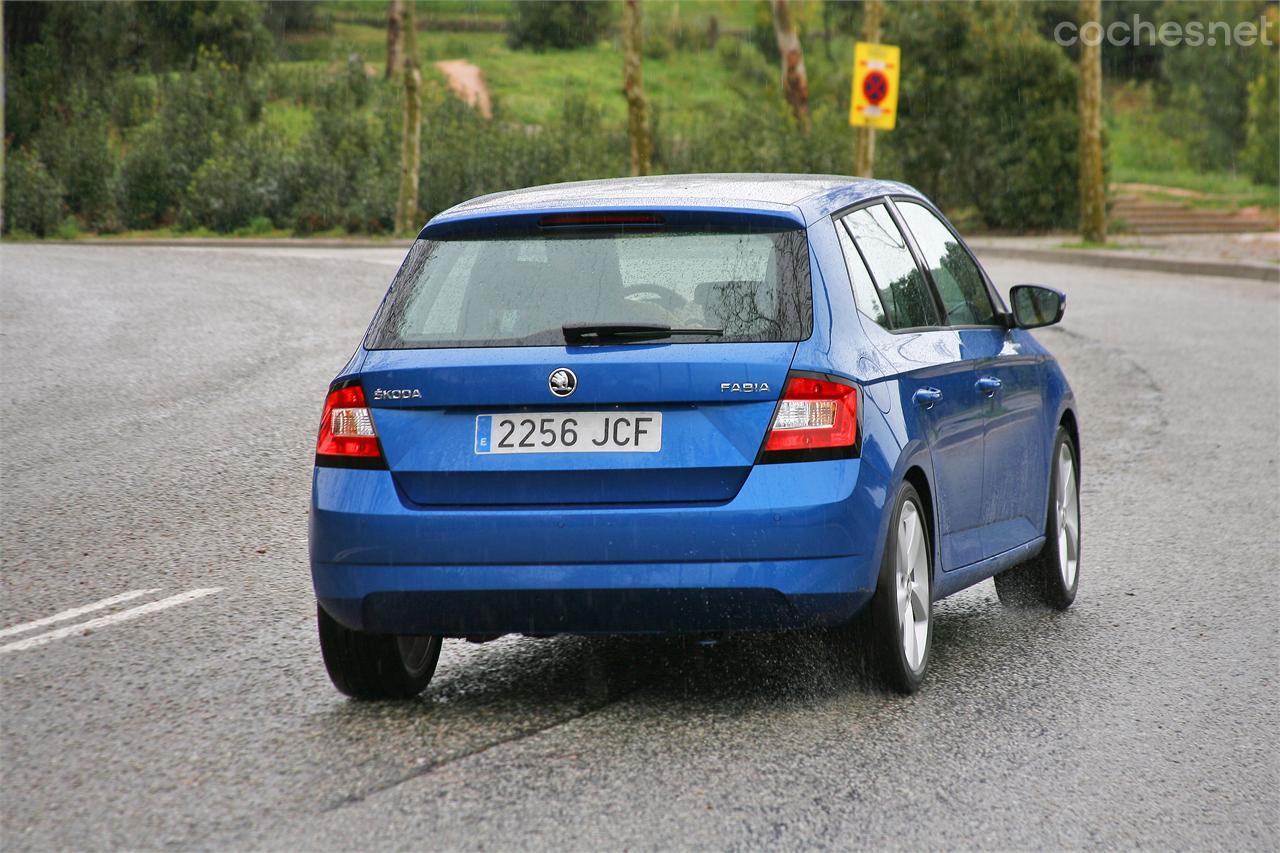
(926, 397)
(988, 385)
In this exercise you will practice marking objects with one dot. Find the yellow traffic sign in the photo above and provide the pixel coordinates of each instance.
(875, 86)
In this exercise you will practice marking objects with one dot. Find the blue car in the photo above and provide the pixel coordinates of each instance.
(694, 404)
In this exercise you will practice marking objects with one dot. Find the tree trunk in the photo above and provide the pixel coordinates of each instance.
(795, 81)
(394, 13)
(411, 133)
(1093, 196)
(2, 102)
(633, 88)
(864, 142)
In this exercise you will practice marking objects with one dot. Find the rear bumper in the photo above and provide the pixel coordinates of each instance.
(795, 548)
(594, 599)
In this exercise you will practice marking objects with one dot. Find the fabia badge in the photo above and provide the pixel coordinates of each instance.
(562, 382)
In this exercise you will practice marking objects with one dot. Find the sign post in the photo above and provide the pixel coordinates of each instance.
(874, 105)
(875, 86)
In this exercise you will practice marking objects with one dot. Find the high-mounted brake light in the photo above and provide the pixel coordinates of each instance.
(600, 219)
(347, 436)
(814, 415)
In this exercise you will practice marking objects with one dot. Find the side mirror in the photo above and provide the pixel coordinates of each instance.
(1035, 306)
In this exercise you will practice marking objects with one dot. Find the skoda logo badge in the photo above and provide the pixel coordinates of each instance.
(562, 381)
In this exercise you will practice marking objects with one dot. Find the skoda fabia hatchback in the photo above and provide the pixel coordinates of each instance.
(688, 404)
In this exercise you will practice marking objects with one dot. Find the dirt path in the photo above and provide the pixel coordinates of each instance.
(467, 82)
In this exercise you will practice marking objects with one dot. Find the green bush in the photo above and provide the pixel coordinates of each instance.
(215, 102)
(74, 145)
(1262, 131)
(750, 66)
(301, 83)
(177, 32)
(68, 230)
(131, 100)
(32, 196)
(557, 24)
(1025, 165)
(464, 155)
(346, 174)
(1205, 88)
(150, 184)
(988, 115)
(240, 183)
(258, 226)
(657, 45)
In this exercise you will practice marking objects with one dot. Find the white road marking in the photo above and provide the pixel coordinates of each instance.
(76, 611)
(102, 621)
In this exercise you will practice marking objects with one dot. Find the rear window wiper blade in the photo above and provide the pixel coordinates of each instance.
(588, 333)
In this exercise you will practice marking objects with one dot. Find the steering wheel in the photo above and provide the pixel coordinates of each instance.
(668, 299)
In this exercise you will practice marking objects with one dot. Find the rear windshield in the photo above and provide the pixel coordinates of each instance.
(520, 291)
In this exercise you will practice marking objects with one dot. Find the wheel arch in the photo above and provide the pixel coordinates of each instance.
(1068, 421)
(916, 476)
(914, 465)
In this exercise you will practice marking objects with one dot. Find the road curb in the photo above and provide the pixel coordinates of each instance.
(1105, 259)
(1109, 260)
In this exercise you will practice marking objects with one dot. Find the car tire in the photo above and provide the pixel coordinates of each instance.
(1051, 578)
(904, 592)
(376, 666)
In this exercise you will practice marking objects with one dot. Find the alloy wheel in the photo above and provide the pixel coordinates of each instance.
(1067, 502)
(913, 586)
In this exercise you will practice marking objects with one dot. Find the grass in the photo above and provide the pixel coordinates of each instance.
(530, 87)
(1142, 151)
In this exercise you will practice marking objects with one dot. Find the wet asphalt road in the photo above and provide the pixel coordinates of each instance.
(159, 416)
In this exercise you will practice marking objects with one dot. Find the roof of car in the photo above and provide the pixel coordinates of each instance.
(804, 198)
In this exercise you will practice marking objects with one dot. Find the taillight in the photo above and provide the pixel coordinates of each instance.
(347, 436)
(815, 419)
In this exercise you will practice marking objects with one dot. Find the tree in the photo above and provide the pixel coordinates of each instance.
(633, 88)
(394, 12)
(557, 24)
(795, 81)
(864, 150)
(411, 133)
(974, 73)
(1261, 155)
(1093, 200)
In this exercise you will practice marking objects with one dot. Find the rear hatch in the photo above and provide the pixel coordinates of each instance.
(661, 389)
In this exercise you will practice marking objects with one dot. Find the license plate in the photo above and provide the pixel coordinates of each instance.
(570, 432)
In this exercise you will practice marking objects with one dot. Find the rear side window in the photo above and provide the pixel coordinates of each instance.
(955, 273)
(864, 289)
(906, 300)
(520, 290)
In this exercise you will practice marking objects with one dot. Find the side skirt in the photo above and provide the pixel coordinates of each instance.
(966, 576)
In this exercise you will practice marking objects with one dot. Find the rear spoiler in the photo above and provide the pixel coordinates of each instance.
(627, 219)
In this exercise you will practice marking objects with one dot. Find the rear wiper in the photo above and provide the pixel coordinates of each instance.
(590, 333)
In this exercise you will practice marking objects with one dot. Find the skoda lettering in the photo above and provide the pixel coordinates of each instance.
(397, 394)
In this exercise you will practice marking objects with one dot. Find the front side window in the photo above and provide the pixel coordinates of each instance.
(955, 273)
(521, 290)
(906, 298)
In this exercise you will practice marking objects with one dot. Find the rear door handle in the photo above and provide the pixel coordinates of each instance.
(926, 397)
(988, 385)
